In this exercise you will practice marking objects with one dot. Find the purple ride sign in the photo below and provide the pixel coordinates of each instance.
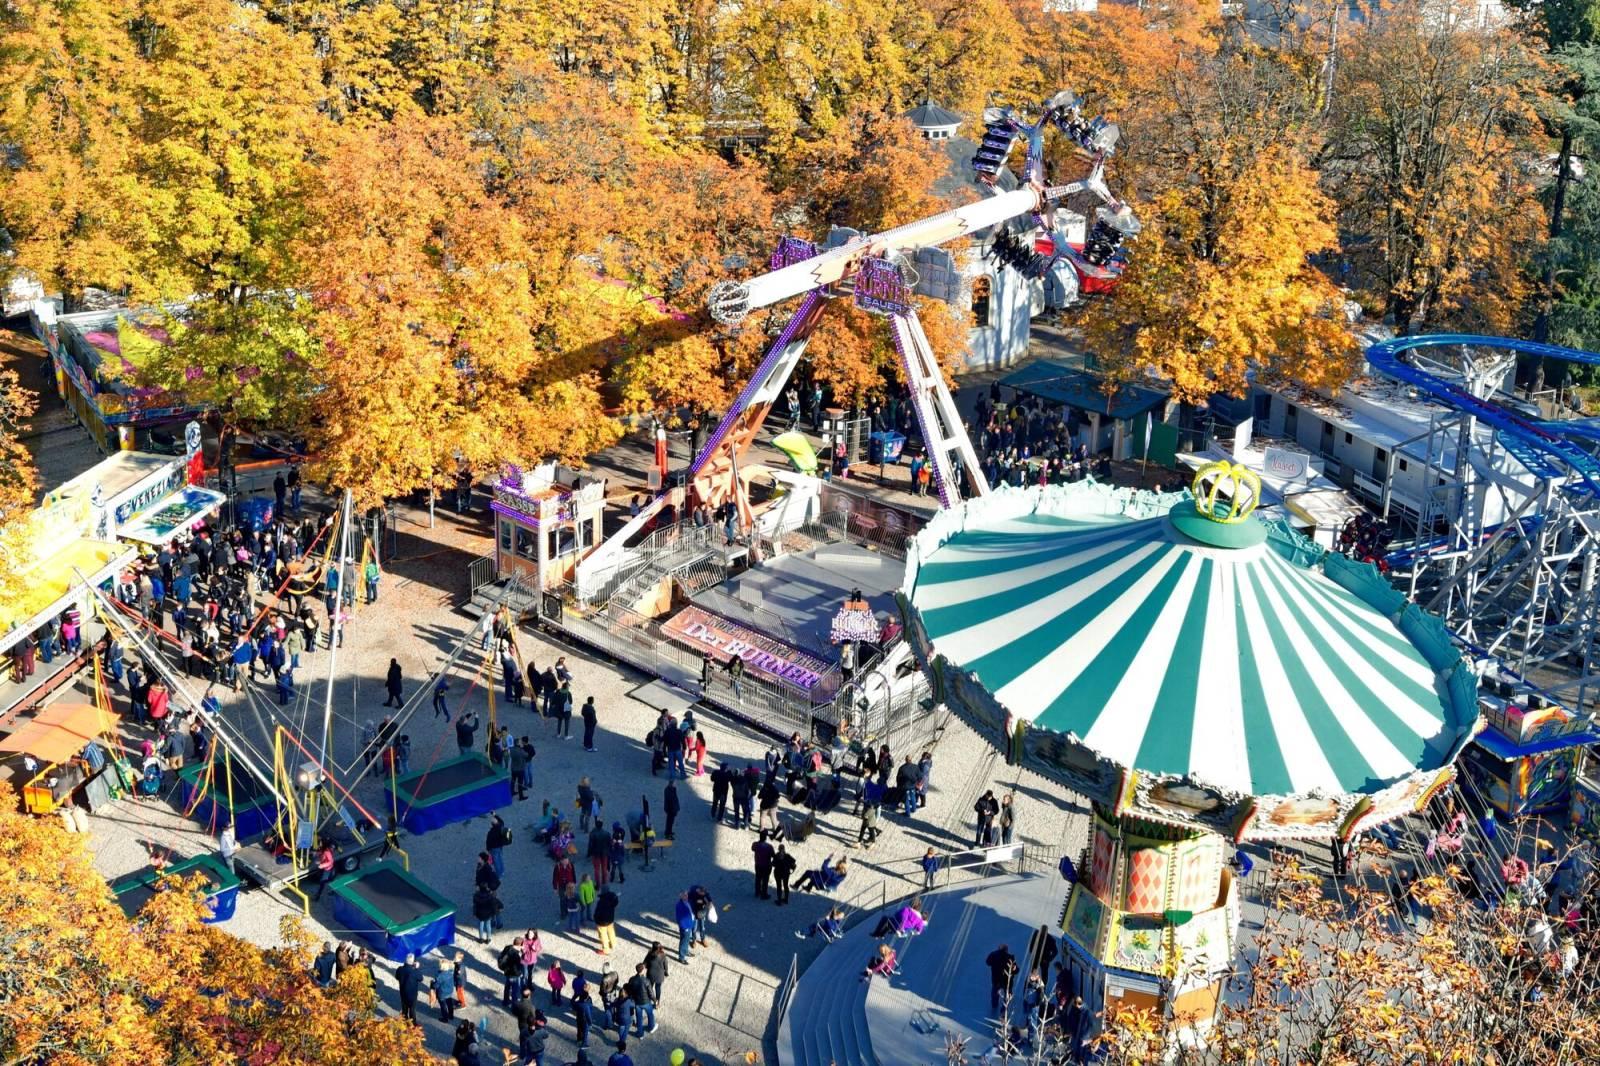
(881, 289)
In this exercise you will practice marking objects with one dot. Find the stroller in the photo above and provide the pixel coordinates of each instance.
(150, 780)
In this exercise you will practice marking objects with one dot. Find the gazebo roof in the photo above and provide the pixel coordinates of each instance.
(1254, 670)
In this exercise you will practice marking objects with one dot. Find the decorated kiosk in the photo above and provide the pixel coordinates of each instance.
(1204, 679)
(546, 519)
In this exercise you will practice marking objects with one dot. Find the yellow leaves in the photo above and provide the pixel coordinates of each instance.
(1220, 285)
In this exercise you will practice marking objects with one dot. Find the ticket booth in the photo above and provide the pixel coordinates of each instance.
(546, 519)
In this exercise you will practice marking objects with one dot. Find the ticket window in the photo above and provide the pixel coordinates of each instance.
(570, 538)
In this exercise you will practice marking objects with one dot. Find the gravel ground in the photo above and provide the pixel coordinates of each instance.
(716, 1006)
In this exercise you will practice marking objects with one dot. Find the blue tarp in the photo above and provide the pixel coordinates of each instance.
(212, 811)
(394, 945)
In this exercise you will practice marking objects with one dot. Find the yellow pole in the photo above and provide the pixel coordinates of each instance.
(227, 768)
(286, 787)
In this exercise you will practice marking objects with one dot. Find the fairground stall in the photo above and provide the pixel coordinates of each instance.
(1527, 758)
(546, 519)
(97, 356)
(1203, 677)
(57, 752)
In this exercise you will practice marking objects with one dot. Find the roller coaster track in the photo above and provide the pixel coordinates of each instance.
(1526, 590)
(1549, 449)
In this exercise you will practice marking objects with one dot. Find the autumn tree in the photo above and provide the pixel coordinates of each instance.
(427, 313)
(18, 482)
(1430, 125)
(1220, 287)
(164, 146)
(85, 984)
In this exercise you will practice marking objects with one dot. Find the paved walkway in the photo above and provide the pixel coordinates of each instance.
(718, 1005)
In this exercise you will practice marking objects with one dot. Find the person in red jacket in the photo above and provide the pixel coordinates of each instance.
(560, 878)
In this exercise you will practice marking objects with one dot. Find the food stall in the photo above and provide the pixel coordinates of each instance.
(546, 519)
(54, 747)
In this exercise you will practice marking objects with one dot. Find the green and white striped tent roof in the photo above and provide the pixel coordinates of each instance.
(1083, 610)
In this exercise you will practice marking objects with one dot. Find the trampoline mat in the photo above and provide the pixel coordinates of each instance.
(247, 791)
(393, 896)
(133, 900)
(450, 777)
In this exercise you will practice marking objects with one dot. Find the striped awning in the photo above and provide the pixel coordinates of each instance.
(1245, 668)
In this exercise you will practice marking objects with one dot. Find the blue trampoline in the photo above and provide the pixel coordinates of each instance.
(393, 911)
(450, 791)
(250, 804)
(222, 894)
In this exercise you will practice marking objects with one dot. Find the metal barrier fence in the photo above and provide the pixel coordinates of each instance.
(480, 572)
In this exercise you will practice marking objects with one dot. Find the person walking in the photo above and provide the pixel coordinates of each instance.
(699, 753)
(764, 853)
(409, 980)
(227, 846)
(639, 1006)
(669, 805)
(392, 684)
(605, 920)
(783, 867)
(440, 688)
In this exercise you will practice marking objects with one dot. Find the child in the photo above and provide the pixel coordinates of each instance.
(558, 981)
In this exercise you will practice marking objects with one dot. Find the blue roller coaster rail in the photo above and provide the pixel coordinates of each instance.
(1549, 449)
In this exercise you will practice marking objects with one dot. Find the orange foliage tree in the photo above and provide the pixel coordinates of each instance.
(426, 313)
(85, 984)
(18, 482)
(1430, 132)
(1217, 288)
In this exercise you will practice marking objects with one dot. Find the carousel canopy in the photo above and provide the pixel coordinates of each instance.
(1244, 663)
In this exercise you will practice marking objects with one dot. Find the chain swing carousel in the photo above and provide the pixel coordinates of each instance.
(1205, 679)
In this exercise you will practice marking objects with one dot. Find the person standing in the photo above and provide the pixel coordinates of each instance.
(558, 981)
(582, 1010)
(656, 970)
(392, 684)
(930, 868)
(986, 808)
(905, 779)
(1002, 971)
(441, 687)
(466, 731)
(741, 799)
(702, 905)
(409, 979)
(599, 852)
(590, 720)
(1008, 819)
(768, 803)
(564, 710)
(496, 840)
(735, 670)
(763, 858)
(684, 914)
(486, 907)
(669, 804)
(372, 574)
(518, 760)
(605, 919)
(783, 866)
(721, 778)
(509, 963)
(227, 846)
(562, 876)
(707, 667)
